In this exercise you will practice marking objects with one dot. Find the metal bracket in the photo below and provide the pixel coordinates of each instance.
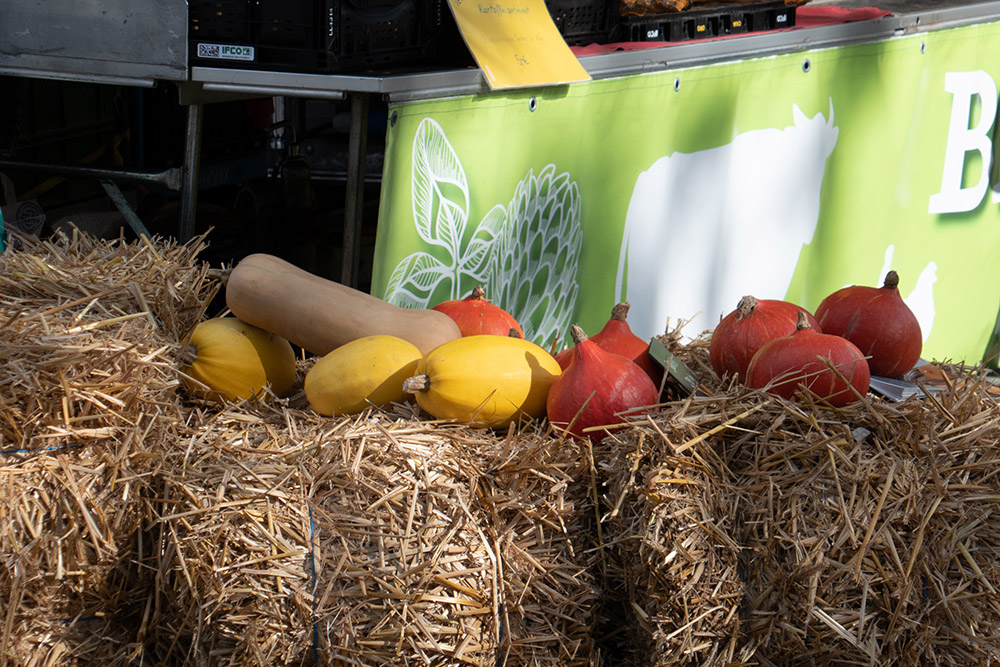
(126, 210)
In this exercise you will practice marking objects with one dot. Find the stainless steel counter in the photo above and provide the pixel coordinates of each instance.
(102, 41)
(138, 43)
(909, 16)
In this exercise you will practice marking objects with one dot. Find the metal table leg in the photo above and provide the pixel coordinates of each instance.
(354, 204)
(192, 159)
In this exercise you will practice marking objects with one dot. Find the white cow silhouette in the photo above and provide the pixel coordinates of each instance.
(703, 229)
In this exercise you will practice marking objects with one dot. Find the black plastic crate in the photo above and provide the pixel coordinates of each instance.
(705, 20)
(219, 20)
(583, 22)
(317, 36)
(381, 32)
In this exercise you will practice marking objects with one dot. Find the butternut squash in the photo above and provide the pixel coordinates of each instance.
(484, 380)
(365, 372)
(320, 315)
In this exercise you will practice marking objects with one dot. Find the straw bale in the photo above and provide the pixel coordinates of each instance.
(87, 335)
(372, 540)
(332, 539)
(668, 524)
(87, 394)
(75, 641)
(672, 578)
(752, 530)
(871, 534)
(537, 502)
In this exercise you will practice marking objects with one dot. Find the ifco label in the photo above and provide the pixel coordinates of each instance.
(225, 51)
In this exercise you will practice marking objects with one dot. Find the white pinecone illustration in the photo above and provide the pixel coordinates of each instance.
(535, 259)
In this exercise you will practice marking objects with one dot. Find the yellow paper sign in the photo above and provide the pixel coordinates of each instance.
(515, 43)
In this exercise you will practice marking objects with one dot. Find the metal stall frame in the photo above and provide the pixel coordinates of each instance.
(145, 43)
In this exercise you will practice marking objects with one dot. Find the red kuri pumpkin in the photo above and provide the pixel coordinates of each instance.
(878, 321)
(745, 330)
(475, 315)
(618, 338)
(596, 387)
(829, 366)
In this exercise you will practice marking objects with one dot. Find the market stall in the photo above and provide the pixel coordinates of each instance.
(890, 83)
(179, 486)
(792, 164)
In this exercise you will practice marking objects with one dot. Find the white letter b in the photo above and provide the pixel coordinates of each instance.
(953, 198)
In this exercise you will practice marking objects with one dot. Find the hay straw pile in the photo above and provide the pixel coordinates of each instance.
(139, 526)
(669, 527)
(875, 537)
(87, 399)
(335, 540)
(757, 531)
(374, 540)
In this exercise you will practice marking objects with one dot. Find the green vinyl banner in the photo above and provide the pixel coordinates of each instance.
(680, 191)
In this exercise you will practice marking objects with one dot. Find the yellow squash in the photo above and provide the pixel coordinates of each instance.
(229, 359)
(276, 354)
(484, 380)
(367, 371)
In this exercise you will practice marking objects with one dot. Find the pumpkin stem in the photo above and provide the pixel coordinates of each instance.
(746, 306)
(803, 322)
(187, 354)
(478, 293)
(222, 275)
(576, 331)
(891, 280)
(620, 311)
(416, 384)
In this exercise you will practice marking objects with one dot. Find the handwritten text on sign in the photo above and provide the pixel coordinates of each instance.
(516, 43)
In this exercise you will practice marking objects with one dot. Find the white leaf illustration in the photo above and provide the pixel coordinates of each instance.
(476, 259)
(440, 189)
(526, 253)
(414, 279)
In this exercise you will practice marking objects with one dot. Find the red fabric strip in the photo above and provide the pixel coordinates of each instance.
(805, 17)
